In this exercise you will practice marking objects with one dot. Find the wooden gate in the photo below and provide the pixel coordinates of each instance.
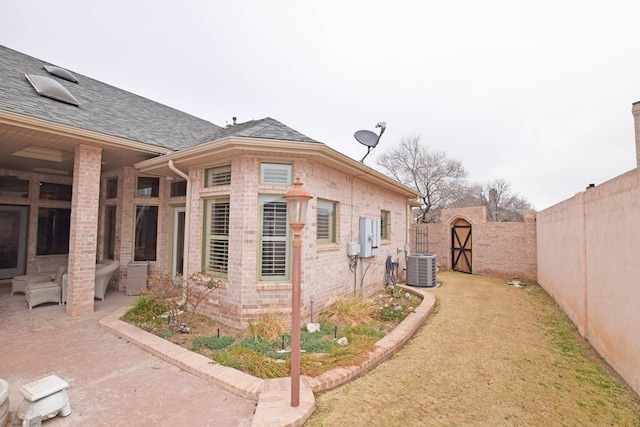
(461, 246)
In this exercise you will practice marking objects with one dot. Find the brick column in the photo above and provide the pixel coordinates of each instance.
(635, 110)
(84, 230)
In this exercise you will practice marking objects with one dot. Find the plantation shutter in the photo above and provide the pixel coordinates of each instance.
(384, 224)
(217, 249)
(274, 241)
(275, 173)
(218, 176)
(325, 222)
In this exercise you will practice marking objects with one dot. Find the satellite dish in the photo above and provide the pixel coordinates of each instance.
(366, 137)
(369, 139)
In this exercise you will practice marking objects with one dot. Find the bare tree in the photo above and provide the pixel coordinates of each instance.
(502, 204)
(439, 179)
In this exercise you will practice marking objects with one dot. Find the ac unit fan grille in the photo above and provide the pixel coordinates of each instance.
(421, 270)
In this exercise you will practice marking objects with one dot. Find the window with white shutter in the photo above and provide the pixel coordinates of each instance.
(275, 173)
(215, 177)
(385, 225)
(216, 242)
(274, 239)
(326, 222)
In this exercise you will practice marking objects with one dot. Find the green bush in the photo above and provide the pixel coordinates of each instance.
(146, 310)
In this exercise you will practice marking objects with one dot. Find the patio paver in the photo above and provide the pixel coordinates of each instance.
(113, 370)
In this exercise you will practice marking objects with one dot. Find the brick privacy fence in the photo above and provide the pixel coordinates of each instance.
(502, 249)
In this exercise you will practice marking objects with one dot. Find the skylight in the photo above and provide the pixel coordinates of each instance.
(60, 72)
(46, 86)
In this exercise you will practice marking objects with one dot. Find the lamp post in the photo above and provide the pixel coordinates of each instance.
(297, 199)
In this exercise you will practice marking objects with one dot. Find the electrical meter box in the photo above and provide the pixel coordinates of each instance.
(369, 237)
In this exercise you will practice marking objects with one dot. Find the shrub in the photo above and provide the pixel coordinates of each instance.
(253, 363)
(146, 310)
(179, 295)
(269, 327)
(348, 312)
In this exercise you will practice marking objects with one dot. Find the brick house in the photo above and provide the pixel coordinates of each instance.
(89, 171)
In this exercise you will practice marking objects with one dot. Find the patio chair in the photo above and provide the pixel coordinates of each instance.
(41, 292)
(19, 283)
(104, 271)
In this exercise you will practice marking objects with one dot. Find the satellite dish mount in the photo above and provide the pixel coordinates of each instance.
(369, 139)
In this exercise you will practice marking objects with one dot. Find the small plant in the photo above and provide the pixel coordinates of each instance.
(365, 331)
(348, 312)
(269, 327)
(252, 362)
(267, 348)
(179, 295)
(146, 310)
(318, 342)
(213, 343)
(393, 312)
(259, 349)
(395, 291)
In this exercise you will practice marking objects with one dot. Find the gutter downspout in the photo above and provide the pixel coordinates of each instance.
(187, 216)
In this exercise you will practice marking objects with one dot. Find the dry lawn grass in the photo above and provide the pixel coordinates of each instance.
(490, 355)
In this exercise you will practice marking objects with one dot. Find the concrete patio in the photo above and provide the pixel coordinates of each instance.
(112, 381)
(121, 375)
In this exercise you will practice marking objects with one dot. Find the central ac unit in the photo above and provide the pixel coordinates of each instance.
(421, 270)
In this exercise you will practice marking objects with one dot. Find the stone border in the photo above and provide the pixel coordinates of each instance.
(273, 407)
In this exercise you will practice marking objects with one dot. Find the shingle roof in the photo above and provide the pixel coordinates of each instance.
(266, 128)
(112, 111)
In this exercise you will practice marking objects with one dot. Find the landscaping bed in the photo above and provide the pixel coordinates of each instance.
(347, 333)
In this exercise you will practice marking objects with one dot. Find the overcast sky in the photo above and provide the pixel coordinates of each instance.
(538, 93)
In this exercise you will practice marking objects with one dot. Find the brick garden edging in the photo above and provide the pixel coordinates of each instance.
(385, 347)
(273, 407)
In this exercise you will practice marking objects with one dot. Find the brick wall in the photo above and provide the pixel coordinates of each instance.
(502, 249)
(326, 275)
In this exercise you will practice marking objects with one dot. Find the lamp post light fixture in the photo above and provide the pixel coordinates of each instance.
(297, 199)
